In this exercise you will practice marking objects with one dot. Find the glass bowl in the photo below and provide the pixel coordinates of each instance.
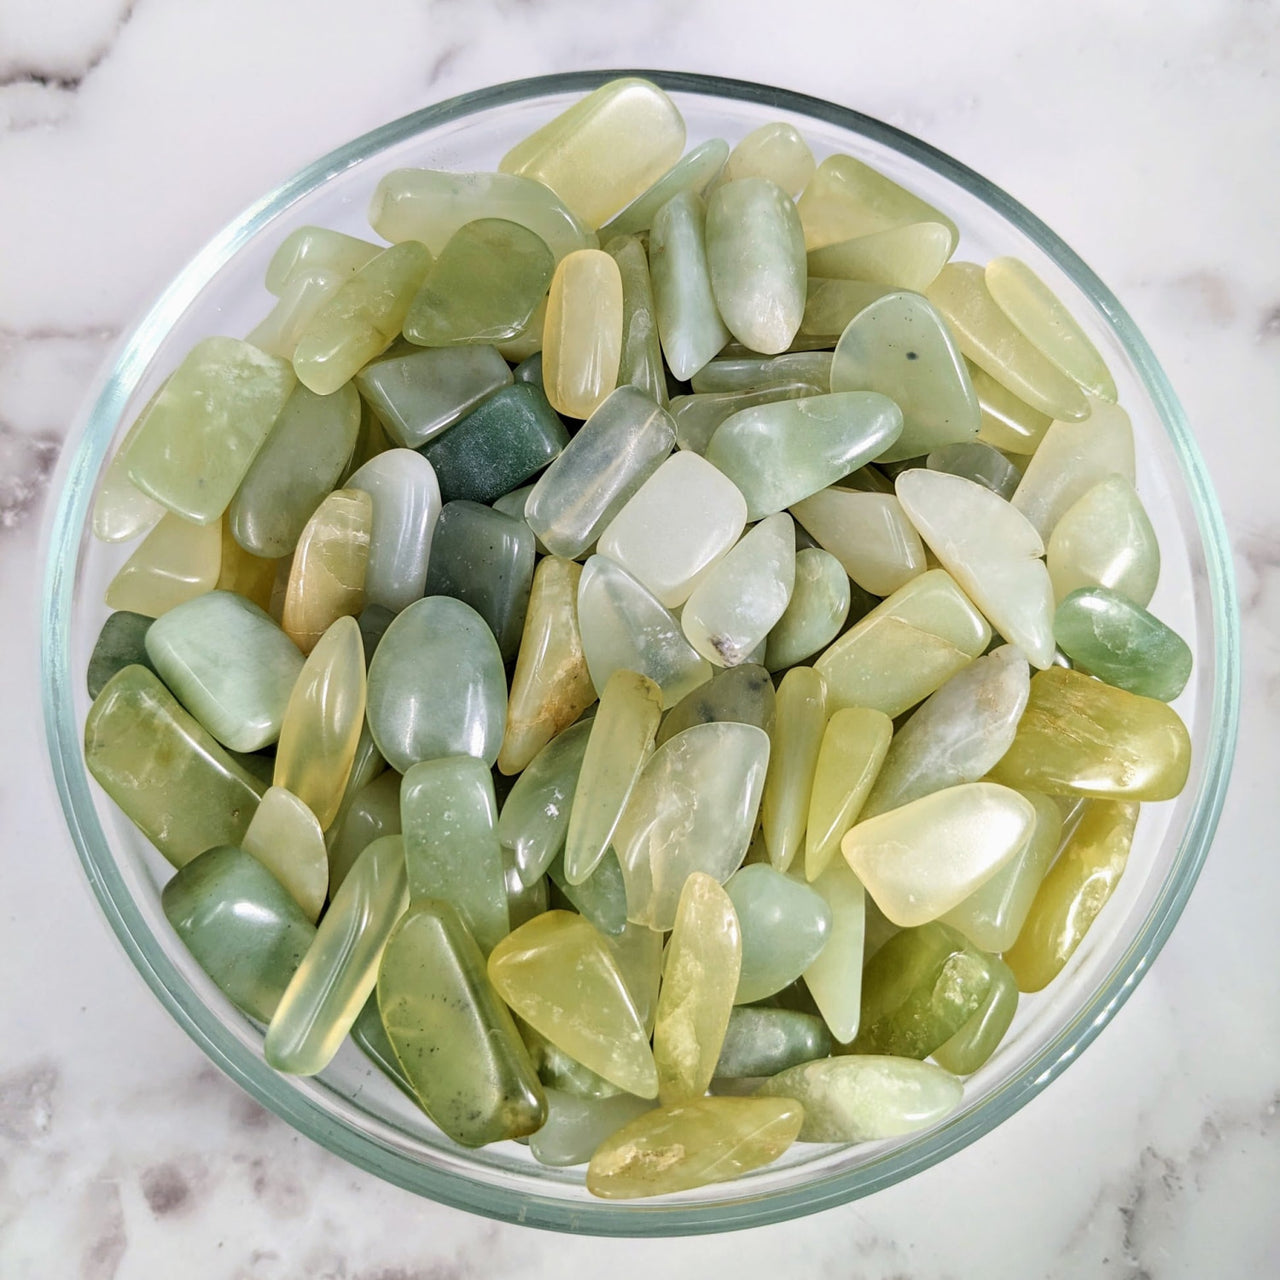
(351, 1108)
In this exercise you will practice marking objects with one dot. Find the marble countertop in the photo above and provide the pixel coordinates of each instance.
(131, 130)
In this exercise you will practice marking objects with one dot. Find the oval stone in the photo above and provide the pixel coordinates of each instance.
(784, 924)
(817, 610)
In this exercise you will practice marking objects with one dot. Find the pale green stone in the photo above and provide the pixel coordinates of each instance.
(368, 1033)
(1007, 422)
(120, 509)
(558, 1070)
(1105, 539)
(762, 1042)
(784, 924)
(575, 1127)
(906, 257)
(366, 765)
(817, 610)
(979, 462)
(304, 293)
(868, 533)
(696, 417)
(775, 151)
(640, 364)
(758, 373)
(694, 171)
(601, 898)
(524, 901)
(286, 838)
(310, 248)
(795, 743)
(832, 305)
(978, 1039)
(834, 979)
(742, 694)
(374, 812)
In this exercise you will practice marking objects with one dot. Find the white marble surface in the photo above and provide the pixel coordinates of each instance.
(1147, 135)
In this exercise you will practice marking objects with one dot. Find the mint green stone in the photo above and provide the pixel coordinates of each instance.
(1111, 637)
(758, 373)
(575, 1127)
(369, 1033)
(696, 417)
(784, 923)
(694, 171)
(448, 812)
(374, 812)
(978, 462)
(601, 898)
(979, 1037)
(240, 924)
(121, 643)
(762, 1042)
(229, 664)
(640, 363)
(818, 607)
(436, 686)
(524, 901)
(743, 694)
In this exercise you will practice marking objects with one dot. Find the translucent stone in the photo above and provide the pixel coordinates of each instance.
(922, 859)
(558, 974)
(1070, 460)
(582, 337)
(757, 373)
(614, 452)
(905, 257)
(600, 899)
(977, 1040)
(784, 925)
(779, 453)
(558, 1070)
(624, 627)
(693, 809)
(176, 562)
(406, 505)
(432, 205)
(575, 1127)
(795, 743)
(1038, 313)
(528, 342)
(1082, 737)
(512, 504)
(524, 901)
(762, 1042)
(832, 305)
(755, 255)
(638, 951)
(834, 979)
(742, 694)
(453, 1037)
(551, 686)
(692, 1145)
(1073, 893)
(1007, 422)
(370, 1036)
(1107, 635)
(978, 462)
(640, 363)
(699, 979)
(361, 320)
(121, 643)
(850, 757)
(991, 550)
(694, 171)
(846, 198)
(195, 441)
(309, 247)
(304, 293)
(328, 578)
(341, 967)
(620, 742)
(367, 765)
(1105, 539)
(374, 813)
(817, 610)
(868, 533)
(120, 509)
(244, 573)
(241, 926)
(286, 838)
(957, 734)
(990, 340)
(689, 323)
(775, 151)
(697, 417)
(866, 1098)
(485, 559)
(419, 394)
(899, 346)
(322, 722)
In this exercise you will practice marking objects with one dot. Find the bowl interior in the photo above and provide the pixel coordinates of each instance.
(351, 1108)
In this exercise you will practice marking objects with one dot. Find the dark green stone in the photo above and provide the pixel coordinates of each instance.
(762, 1042)
(369, 1033)
(743, 694)
(601, 898)
(262, 764)
(530, 370)
(121, 643)
(374, 620)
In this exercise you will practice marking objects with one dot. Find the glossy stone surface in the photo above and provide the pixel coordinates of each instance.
(600, 899)
(697, 417)
(121, 643)
(1107, 635)
(582, 335)
(817, 610)
(979, 1037)
(758, 373)
(694, 171)
(775, 151)
(436, 686)
(241, 926)
(922, 859)
(868, 533)
(638, 951)
(366, 765)
(1105, 539)
(374, 812)
(303, 294)
(1007, 422)
(977, 461)
(244, 573)
(1082, 737)
(834, 978)
(524, 901)
(311, 247)
(368, 1033)
(691, 1145)
(796, 740)
(286, 838)
(452, 1035)
(575, 1127)
(176, 562)
(640, 361)
(905, 257)
(762, 1042)
(743, 694)
(784, 925)
(120, 509)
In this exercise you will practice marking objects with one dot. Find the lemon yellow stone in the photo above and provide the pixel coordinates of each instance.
(1006, 422)
(176, 562)
(582, 334)
(868, 533)
(286, 838)
(244, 573)
(834, 979)
(775, 151)
(799, 724)
(906, 257)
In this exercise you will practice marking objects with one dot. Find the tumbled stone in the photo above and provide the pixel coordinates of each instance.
(762, 1042)
(638, 951)
(524, 901)
(1105, 539)
(743, 694)
(121, 643)
(694, 171)
(600, 899)
(698, 416)
(817, 610)
(775, 151)
(868, 533)
(311, 247)
(759, 373)
(796, 740)
(830, 306)
(366, 765)
(558, 1070)
(303, 294)
(834, 978)
(784, 926)
(980, 1035)
(575, 1127)
(374, 812)
(978, 462)
(370, 1036)
(640, 361)
(1007, 422)
(120, 509)
(905, 257)
(286, 838)
(850, 757)
(582, 335)
(244, 573)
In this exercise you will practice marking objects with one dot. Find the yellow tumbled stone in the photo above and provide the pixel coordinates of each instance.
(907, 257)
(327, 575)
(285, 837)
(775, 151)
(244, 573)
(174, 563)
(799, 721)
(582, 334)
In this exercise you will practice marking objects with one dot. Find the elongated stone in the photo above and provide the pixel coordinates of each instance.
(689, 323)
(341, 967)
(330, 569)
(419, 394)
(697, 417)
(775, 151)
(762, 1042)
(615, 451)
(1082, 737)
(640, 362)
(197, 438)
(303, 294)
(286, 838)
(366, 765)
(865, 1098)
(241, 925)
(1040, 316)
(601, 898)
(905, 257)
(742, 694)
(979, 1037)
(986, 335)
(485, 559)
(244, 573)
(817, 610)
(361, 320)
(852, 752)
(1007, 422)
(436, 686)
(121, 643)
(309, 247)
(1107, 635)
(991, 550)
(452, 1035)
(779, 453)
(739, 599)
(624, 627)
(374, 813)
(755, 255)
(582, 335)
(868, 533)
(834, 978)
(1105, 539)
(922, 859)
(575, 1127)
(120, 509)
(620, 742)
(557, 973)
(784, 924)
(432, 205)
(406, 505)
(979, 462)
(694, 171)
(957, 734)
(795, 742)
(638, 951)
(899, 346)
(758, 373)
(448, 813)
(699, 979)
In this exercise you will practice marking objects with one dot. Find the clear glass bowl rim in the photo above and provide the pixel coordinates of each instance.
(74, 484)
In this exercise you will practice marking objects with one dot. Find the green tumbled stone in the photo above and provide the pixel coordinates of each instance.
(529, 370)
(1107, 635)
(524, 901)
(762, 1042)
(485, 559)
(756, 373)
(601, 898)
(368, 1032)
(453, 1037)
(640, 364)
(978, 1038)
(906, 257)
(696, 417)
(557, 1070)
(575, 1127)
(374, 812)
(817, 610)
(785, 925)
(977, 461)
(310, 248)
(743, 694)
(121, 643)
(694, 171)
